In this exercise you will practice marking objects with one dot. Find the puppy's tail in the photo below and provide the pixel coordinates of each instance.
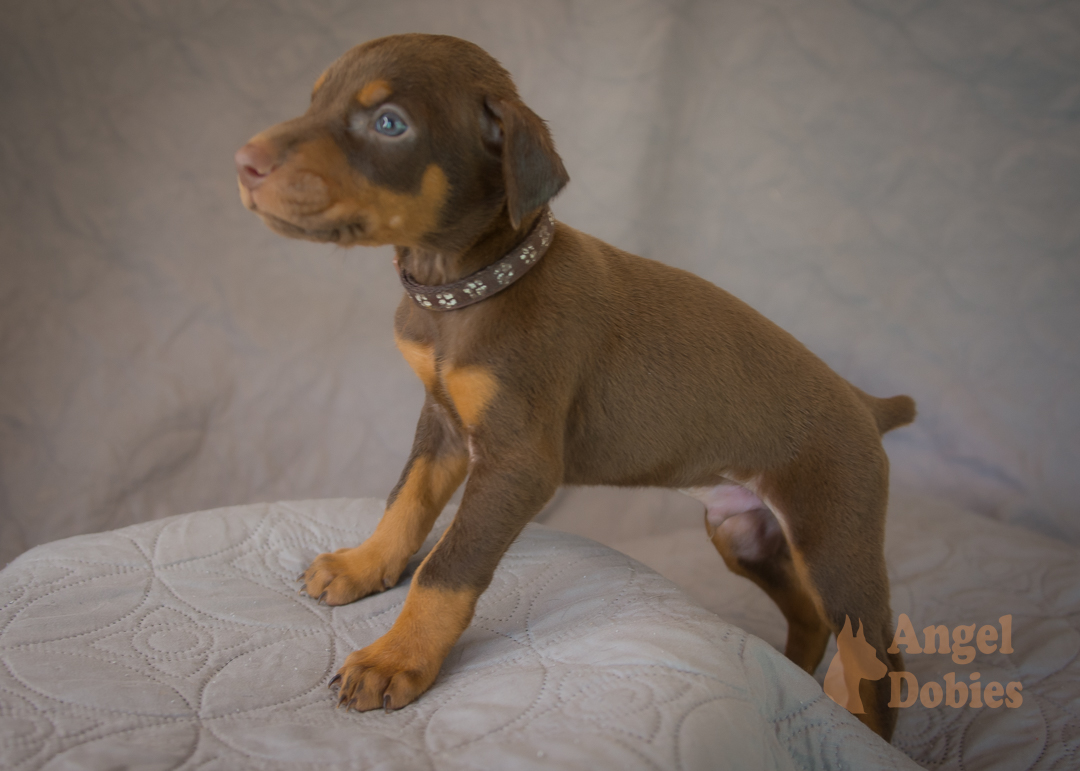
(889, 413)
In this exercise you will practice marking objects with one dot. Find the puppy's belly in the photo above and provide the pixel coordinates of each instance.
(743, 520)
(724, 501)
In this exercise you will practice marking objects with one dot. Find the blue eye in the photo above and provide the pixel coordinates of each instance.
(390, 124)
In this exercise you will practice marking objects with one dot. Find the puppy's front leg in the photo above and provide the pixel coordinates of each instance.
(436, 467)
(499, 499)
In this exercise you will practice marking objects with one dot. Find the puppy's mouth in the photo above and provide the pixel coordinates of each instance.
(301, 219)
(344, 235)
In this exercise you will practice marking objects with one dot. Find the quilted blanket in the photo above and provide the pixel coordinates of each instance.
(183, 644)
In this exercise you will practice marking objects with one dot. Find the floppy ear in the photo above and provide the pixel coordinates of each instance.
(532, 171)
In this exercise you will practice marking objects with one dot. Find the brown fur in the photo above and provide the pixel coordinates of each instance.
(597, 367)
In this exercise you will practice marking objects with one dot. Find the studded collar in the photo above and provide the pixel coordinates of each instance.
(487, 281)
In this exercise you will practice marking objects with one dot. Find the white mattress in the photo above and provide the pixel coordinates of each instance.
(183, 643)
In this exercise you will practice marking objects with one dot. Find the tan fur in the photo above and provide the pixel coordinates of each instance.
(394, 218)
(319, 193)
(375, 565)
(421, 358)
(374, 92)
(597, 367)
(471, 389)
(402, 664)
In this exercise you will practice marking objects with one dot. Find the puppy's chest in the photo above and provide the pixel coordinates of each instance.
(468, 389)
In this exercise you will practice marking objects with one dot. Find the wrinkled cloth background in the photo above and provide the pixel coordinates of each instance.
(897, 182)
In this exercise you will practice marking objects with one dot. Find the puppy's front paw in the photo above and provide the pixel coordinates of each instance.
(346, 575)
(384, 675)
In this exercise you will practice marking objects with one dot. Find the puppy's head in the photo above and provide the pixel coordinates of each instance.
(412, 140)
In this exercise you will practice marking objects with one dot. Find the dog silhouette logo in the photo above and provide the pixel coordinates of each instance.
(855, 660)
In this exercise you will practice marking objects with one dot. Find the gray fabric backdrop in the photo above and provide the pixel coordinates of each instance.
(897, 182)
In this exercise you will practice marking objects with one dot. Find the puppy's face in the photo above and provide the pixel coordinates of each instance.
(403, 143)
(370, 161)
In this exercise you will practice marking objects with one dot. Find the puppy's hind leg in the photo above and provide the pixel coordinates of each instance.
(834, 519)
(752, 543)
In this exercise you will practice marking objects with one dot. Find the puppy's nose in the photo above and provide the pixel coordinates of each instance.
(254, 164)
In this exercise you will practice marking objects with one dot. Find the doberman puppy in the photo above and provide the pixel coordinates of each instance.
(549, 357)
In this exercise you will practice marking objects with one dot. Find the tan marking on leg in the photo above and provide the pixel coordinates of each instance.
(421, 358)
(402, 664)
(374, 92)
(346, 575)
(471, 389)
(428, 487)
(808, 587)
(733, 520)
(874, 694)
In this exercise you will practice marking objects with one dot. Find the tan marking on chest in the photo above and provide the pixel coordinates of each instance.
(421, 358)
(373, 93)
(471, 389)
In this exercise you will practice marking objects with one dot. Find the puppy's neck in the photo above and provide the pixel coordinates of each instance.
(434, 266)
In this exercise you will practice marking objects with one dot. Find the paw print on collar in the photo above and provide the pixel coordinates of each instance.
(475, 288)
(503, 274)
